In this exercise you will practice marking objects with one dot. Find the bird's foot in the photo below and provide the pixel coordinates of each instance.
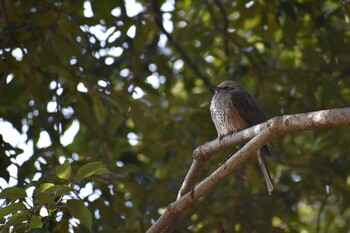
(224, 135)
(231, 132)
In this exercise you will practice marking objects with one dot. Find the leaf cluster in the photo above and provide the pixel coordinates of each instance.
(132, 80)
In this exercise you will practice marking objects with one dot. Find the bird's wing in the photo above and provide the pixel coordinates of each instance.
(249, 110)
(247, 107)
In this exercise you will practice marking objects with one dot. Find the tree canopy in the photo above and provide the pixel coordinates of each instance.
(128, 83)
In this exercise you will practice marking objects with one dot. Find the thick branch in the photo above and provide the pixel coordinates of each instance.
(261, 135)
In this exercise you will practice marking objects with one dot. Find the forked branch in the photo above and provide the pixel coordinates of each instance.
(257, 136)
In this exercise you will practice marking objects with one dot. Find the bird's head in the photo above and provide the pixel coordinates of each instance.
(227, 85)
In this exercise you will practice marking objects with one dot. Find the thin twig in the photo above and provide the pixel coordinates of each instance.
(224, 33)
(320, 212)
(187, 59)
(324, 202)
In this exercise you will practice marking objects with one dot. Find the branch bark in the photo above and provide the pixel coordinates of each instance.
(257, 136)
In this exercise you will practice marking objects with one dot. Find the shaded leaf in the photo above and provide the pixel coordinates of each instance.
(12, 208)
(35, 222)
(13, 193)
(59, 190)
(64, 170)
(83, 109)
(18, 218)
(80, 211)
(99, 109)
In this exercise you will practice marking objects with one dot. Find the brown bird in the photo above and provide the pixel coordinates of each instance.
(233, 109)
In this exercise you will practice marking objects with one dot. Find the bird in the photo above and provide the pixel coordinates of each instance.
(233, 109)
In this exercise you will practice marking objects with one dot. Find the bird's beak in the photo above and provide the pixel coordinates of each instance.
(215, 88)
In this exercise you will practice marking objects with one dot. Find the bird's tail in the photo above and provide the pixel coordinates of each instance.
(265, 171)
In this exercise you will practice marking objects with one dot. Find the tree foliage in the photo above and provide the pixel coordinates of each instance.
(138, 92)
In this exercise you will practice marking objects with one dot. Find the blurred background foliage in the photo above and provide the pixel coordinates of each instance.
(126, 81)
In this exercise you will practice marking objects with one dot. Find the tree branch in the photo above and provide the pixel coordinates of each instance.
(258, 135)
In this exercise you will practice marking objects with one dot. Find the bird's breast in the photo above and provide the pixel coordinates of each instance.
(225, 116)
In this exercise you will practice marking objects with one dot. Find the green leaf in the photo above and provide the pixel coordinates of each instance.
(43, 187)
(18, 218)
(114, 122)
(35, 222)
(102, 171)
(12, 208)
(99, 109)
(80, 211)
(13, 193)
(88, 170)
(82, 107)
(64, 170)
(43, 198)
(46, 199)
(59, 190)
